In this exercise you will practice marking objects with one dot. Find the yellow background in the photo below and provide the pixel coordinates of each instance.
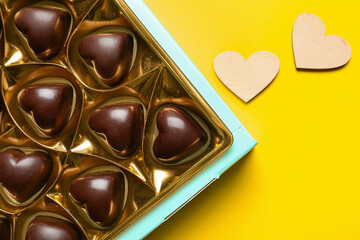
(303, 179)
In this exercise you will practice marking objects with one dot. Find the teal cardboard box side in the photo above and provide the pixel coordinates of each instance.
(243, 142)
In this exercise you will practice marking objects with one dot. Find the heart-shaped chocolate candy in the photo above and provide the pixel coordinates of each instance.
(45, 29)
(102, 194)
(45, 228)
(179, 135)
(122, 125)
(23, 175)
(50, 105)
(111, 55)
(4, 229)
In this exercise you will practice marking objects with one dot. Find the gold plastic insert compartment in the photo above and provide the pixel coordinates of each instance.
(223, 131)
(155, 81)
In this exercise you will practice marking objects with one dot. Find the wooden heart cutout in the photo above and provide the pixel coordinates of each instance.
(246, 78)
(314, 50)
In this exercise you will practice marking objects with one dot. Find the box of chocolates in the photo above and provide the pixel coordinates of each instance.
(107, 128)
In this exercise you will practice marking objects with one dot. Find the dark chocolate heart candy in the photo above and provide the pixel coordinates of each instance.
(179, 135)
(50, 105)
(23, 175)
(102, 194)
(111, 54)
(122, 125)
(45, 29)
(4, 229)
(45, 228)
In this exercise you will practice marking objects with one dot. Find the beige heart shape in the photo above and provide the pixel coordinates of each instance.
(246, 78)
(314, 50)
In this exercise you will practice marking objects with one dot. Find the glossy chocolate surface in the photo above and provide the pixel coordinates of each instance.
(4, 229)
(50, 105)
(46, 228)
(45, 29)
(98, 124)
(111, 55)
(122, 125)
(179, 135)
(102, 194)
(23, 175)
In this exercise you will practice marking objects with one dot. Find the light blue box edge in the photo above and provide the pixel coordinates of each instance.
(243, 142)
